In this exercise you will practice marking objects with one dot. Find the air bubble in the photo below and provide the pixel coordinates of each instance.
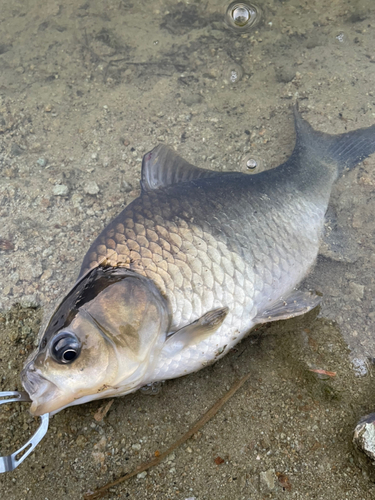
(340, 37)
(251, 165)
(242, 16)
(233, 74)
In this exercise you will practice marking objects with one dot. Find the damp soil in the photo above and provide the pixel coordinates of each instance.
(86, 89)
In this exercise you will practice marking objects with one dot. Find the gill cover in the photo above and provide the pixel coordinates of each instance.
(100, 341)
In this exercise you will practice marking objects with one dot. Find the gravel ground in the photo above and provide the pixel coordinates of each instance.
(86, 90)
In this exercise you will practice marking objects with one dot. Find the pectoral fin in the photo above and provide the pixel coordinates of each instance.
(197, 331)
(294, 305)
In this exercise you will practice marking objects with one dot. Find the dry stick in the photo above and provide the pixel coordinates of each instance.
(156, 461)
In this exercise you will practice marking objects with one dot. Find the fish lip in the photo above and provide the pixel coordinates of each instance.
(38, 387)
(31, 381)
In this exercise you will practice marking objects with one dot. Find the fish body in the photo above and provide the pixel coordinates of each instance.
(188, 269)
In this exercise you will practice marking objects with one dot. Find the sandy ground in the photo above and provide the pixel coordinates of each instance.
(87, 89)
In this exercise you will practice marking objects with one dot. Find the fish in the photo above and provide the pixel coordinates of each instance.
(188, 269)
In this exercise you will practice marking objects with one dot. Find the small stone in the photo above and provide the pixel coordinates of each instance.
(91, 187)
(76, 200)
(267, 479)
(46, 275)
(125, 186)
(357, 290)
(81, 441)
(136, 446)
(29, 270)
(36, 270)
(42, 162)
(189, 450)
(285, 74)
(35, 148)
(16, 150)
(360, 367)
(14, 277)
(142, 475)
(192, 99)
(60, 190)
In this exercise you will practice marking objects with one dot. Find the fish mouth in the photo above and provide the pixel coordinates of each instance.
(45, 396)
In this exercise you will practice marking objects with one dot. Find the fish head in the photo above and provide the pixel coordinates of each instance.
(101, 341)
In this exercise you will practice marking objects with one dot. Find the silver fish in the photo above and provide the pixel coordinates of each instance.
(188, 269)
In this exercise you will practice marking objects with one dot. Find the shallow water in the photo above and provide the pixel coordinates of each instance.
(85, 91)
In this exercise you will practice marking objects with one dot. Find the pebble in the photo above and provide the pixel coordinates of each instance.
(46, 275)
(357, 290)
(364, 435)
(142, 475)
(125, 186)
(16, 150)
(192, 99)
(60, 190)
(359, 367)
(30, 270)
(42, 162)
(136, 446)
(285, 74)
(267, 479)
(91, 187)
(76, 200)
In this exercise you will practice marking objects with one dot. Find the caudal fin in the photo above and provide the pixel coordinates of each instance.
(347, 150)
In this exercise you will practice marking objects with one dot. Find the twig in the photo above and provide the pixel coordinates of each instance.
(323, 372)
(156, 461)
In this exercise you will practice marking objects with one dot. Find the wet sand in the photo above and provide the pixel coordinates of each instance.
(85, 91)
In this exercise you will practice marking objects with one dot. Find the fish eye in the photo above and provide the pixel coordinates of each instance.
(66, 348)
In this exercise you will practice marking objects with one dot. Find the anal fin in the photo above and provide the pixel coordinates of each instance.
(296, 304)
(336, 243)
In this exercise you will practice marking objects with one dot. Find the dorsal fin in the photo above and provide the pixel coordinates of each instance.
(163, 167)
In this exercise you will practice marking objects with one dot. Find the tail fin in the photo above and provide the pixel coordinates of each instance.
(347, 150)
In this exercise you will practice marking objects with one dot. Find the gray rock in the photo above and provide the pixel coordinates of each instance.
(364, 435)
(125, 186)
(29, 270)
(267, 479)
(191, 99)
(357, 290)
(91, 187)
(285, 74)
(42, 162)
(16, 150)
(76, 200)
(360, 367)
(60, 190)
